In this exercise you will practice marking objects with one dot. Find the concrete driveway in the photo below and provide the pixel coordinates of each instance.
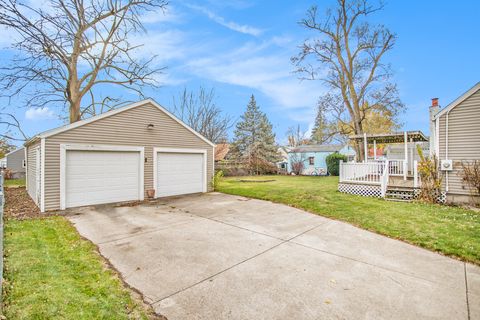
(216, 256)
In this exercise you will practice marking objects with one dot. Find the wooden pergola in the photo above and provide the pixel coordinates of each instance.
(388, 138)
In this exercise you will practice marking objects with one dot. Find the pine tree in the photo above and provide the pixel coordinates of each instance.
(254, 142)
(321, 132)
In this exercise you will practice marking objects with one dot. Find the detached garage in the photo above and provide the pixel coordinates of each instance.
(117, 156)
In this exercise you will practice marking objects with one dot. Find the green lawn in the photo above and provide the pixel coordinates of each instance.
(453, 231)
(14, 183)
(51, 273)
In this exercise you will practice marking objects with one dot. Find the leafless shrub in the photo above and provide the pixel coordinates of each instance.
(297, 161)
(7, 174)
(471, 176)
(430, 176)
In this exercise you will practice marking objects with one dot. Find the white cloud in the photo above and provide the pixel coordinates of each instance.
(39, 114)
(167, 78)
(242, 28)
(168, 45)
(161, 15)
(269, 73)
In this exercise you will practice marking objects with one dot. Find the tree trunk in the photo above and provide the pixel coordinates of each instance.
(360, 146)
(75, 111)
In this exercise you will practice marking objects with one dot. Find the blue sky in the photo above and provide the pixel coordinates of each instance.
(240, 47)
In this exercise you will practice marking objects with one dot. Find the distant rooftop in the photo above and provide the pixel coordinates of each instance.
(317, 148)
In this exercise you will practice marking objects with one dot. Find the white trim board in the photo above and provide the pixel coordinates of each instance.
(179, 150)
(25, 153)
(42, 175)
(80, 123)
(98, 147)
(459, 100)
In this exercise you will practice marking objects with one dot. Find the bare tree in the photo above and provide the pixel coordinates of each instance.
(348, 55)
(200, 111)
(296, 136)
(11, 128)
(68, 48)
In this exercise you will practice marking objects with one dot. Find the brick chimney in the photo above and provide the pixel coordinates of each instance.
(433, 110)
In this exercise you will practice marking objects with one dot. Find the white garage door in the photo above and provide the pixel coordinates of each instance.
(179, 173)
(95, 177)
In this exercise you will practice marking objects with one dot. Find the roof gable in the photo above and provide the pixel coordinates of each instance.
(110, 113)
(459, 100)
(14, 151)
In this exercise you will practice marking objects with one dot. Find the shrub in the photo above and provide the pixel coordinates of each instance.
(430, 176)
(7, 174)
(297, 167)
(333, 163)
(217, 177)
(471, 176)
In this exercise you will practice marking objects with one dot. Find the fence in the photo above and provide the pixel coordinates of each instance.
(364, 172)
(2, 201)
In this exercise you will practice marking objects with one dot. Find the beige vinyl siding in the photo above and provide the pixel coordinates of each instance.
(127, 128)
(31, 170)
(463, 140)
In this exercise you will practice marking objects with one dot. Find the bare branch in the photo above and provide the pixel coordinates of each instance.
(200, 111)
(12, 128)
(74, 48)
(347, 54)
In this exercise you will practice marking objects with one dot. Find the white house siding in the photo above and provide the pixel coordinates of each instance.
(127, 128)
(463, 140)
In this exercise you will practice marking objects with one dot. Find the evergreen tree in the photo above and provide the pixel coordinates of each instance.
(254, 142)
(321, 132)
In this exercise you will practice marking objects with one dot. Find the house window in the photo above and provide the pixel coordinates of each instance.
(311, 161)
(24, 163)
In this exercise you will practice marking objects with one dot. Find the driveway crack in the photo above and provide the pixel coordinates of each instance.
(466, 289)
(234, 265)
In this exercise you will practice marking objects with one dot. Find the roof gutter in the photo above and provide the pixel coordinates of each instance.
(31, 140)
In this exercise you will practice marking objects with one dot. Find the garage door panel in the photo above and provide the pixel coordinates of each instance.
(95, 177)
(179, 173)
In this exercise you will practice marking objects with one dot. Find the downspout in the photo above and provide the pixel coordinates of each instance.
(446, 149)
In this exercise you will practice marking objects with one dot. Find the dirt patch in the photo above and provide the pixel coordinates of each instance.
(19, 205)
(259, 181)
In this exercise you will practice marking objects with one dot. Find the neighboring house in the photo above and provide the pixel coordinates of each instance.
(120, 155)
(3, 163)
(313, 157)
(15, 162)
(456, 138)
(282, 165)
(221, 151)
(376, 153)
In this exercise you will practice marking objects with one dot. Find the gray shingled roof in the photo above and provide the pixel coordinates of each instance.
(318, 148)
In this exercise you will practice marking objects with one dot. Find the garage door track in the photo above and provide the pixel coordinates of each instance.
(216, 256)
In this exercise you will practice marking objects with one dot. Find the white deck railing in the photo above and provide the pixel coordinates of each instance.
(396, 167)
(362, 172)
(377, 172)
(384, 179)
